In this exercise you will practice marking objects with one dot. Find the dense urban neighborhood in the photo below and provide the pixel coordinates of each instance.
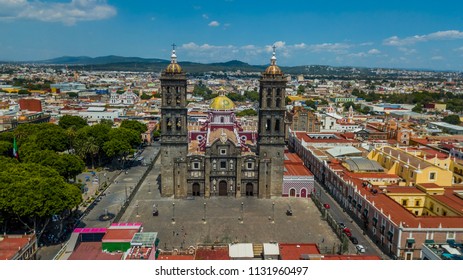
(328, 163)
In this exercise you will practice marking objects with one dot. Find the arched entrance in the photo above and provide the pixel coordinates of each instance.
(196, 189)
(249, 189)
(223, 188)
(292, 192)
(303, 193)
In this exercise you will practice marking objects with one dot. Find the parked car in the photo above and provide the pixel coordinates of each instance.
(360, 248)
(326, 205)
(354, 240)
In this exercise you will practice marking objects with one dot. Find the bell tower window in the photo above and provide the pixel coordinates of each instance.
(267, 127)
(277, 125)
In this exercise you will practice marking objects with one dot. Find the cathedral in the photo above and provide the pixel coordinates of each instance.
(220, 157)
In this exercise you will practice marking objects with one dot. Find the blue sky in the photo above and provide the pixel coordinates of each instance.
(406, 33)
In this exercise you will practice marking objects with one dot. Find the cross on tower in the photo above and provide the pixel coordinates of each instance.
(274, 48)
(173, 46)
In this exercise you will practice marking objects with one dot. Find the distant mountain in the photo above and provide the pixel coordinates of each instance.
(86, 60)
(121, 63)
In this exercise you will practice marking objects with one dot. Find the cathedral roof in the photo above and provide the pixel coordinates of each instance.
(173, 67)
(222, 102)
(273, 69)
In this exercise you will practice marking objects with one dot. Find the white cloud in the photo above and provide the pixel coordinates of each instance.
(437, 57)
(68, 13)
(374, 51)
(205, 16)
(214, 23)
(460, 49)
(439, 35)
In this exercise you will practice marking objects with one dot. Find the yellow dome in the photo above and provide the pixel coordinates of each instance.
(222, 103)
(173, 68)
(273, 70)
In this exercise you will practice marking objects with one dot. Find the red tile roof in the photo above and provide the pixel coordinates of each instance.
(12, 244)
(293, 251)
(117, 235)
(212, 253)
(93, 251)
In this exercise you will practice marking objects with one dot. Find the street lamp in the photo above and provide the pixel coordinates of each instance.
(138, 215)
(149, 187)
(126, 197)
(204, 215)
(242, 212)
(273, 212)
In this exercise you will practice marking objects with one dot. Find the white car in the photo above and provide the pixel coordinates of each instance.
(360, 248)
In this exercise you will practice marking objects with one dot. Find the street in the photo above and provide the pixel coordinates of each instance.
(341, 216)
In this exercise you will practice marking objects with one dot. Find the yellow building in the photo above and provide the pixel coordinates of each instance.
(427, 200)
(413, 168)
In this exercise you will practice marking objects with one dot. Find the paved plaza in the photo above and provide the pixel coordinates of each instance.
(181, 223)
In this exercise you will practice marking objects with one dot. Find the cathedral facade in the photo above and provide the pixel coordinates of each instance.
(220, 157)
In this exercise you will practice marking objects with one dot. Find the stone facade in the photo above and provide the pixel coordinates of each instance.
(220, 158)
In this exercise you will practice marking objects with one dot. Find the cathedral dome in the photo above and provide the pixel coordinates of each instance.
(222, 103)
(173, 67)
(273, 69)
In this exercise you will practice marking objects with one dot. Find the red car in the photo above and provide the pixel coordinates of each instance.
(326, 205)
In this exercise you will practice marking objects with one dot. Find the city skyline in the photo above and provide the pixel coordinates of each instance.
(395, 34)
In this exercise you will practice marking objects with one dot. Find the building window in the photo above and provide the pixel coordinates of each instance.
(404, 202)
(277, 125)
(250, 165)
(223, 165)
(450, 235)
(196, 165)
(267, 127)
(222, 119)
(432, 176)
(417, 203)
(223, 151)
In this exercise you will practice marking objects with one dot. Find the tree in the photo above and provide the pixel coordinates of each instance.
(24, 92)
(418, 108)
(251, 95)
(107, 122)
(51, 137)
(72, 94)
(348, 104)
(247, 112)
(132, 137)
(134, 125)
(145, 96)
(76, 122)
(452, 119)
(300, 89)
(32, 193)
(312, 104)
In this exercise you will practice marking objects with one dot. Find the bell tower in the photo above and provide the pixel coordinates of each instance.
(271, 140)
(174, 130)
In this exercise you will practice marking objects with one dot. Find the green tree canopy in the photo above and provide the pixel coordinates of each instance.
(452, 119)
(32, 193)
(134, 125)
(76, 122)
(247, 112)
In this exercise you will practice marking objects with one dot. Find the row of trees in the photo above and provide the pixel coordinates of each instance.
(50, 156)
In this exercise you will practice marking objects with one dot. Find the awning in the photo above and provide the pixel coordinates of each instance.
(429, 241)
(411, 240)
